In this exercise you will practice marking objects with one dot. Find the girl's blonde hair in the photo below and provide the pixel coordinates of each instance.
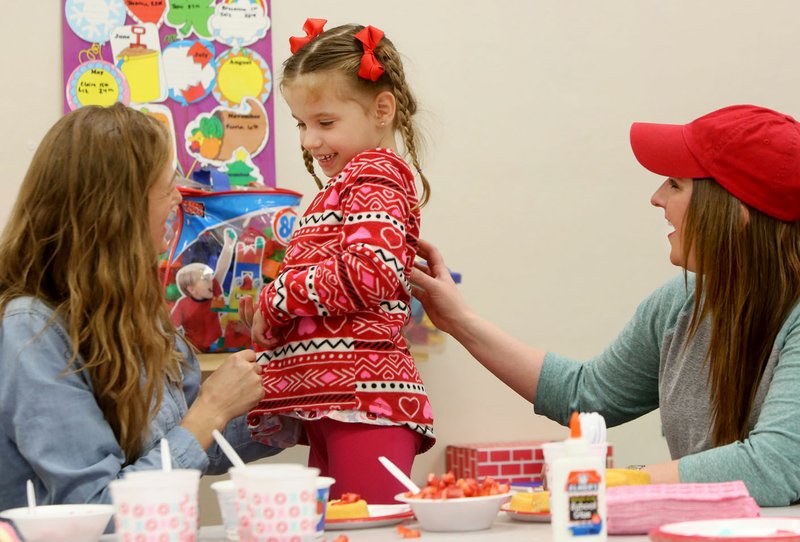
(78, 238)
(748, 281)
(337, 50)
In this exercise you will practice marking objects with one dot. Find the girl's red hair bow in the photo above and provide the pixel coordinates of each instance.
(312, 28)
(370, 67)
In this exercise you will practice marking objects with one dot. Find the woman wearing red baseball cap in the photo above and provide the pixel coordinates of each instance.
(717, 349)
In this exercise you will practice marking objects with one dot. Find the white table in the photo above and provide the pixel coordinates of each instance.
(504, 529)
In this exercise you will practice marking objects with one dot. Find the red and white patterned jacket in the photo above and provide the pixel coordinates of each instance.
(342, 298)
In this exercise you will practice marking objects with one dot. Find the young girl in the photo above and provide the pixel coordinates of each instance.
(717, 349)
(332, 320)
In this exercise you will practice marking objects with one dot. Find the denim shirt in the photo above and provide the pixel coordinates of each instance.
(53, 432)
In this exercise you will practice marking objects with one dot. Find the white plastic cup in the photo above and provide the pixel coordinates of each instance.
(553, 450)
(155, 506)
(276, 503)
(226, 497)
(324, 484)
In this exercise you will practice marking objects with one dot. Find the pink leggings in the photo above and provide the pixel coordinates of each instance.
(349, 453)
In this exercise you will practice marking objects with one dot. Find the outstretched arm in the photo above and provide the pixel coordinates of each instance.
(513, 362)
(225, 255)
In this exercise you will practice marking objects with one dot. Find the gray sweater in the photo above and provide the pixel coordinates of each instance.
(646, 367)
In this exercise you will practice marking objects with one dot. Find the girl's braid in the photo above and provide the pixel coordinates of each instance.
(406, 108)
(309, 161)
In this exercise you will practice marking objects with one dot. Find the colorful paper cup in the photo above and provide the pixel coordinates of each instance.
(156, 506)
(276, 503)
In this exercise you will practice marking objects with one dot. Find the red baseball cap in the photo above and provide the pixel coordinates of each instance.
(752, 152)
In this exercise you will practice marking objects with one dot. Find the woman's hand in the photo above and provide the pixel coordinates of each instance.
(432, 284)
(230, 391)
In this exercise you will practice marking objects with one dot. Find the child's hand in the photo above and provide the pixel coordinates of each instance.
(246, 310)
(251, 317)
(262, 334)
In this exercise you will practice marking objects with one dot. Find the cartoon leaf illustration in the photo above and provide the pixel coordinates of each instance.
(190, 14)
(211, 127)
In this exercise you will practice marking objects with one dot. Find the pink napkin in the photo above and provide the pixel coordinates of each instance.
(8, 531)
(638, 509)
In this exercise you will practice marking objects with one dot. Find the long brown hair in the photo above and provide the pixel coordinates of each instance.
(748, 281)
(78, 239)
(337, 50)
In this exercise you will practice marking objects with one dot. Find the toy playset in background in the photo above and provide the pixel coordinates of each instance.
(225, 245)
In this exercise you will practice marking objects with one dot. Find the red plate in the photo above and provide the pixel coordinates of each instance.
(519, 515)
(730, 530)
(380, 515)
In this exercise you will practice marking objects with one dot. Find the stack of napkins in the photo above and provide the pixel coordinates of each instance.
(638, 509)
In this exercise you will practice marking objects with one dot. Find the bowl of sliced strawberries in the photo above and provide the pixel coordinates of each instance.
(447, 503)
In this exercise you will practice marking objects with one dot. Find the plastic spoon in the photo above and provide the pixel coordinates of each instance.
(400, 475)
(227, 449)
(166, 457)
(31, 498)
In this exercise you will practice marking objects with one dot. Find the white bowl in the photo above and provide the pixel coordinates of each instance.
(464, 514)
(61, 522)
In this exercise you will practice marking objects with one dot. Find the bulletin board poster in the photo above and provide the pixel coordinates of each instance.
(202, 67)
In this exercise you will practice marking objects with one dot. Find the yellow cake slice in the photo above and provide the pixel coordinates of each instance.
(350, 506)
(534, 501)
(626, 477)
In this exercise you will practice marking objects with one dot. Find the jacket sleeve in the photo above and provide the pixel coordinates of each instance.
(53, 419)
(58, 431)
(767, 459)
(369, 268)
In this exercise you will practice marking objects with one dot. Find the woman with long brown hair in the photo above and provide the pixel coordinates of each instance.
(717, 349)
(92, 372)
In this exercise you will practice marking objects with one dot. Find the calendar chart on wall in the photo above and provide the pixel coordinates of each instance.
(202, 67)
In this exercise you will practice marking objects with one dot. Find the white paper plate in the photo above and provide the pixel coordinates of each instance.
(519, 515)
(730, 530)
(380, 515)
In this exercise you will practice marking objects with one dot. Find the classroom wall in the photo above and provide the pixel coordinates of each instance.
(536, 198)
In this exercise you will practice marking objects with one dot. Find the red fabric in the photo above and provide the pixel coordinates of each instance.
(200, 324)
(312, 28)
(370, 67)
(348, 452)
(342, 299)
(753, 152)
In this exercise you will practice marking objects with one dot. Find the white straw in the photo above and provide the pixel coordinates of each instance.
(166, 457)
(400, 475)
(31, 497)
(227, 449)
